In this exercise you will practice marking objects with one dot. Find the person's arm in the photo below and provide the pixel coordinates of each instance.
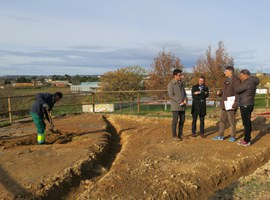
(241, 88)
(236, 84)
(206, 92)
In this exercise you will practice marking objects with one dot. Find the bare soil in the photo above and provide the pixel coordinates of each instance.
(92, 156)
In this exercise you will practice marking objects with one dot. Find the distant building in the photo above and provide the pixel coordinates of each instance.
(60, 83)
(24, 84)
(260, 74)
(85, 87)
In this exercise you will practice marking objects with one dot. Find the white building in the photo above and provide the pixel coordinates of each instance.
(85, 87)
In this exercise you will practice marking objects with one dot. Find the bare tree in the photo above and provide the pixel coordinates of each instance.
(162, 68)
(212, 67)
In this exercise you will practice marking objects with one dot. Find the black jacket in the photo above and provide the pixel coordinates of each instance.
(247, 91)
(42, 98)
(199, 100)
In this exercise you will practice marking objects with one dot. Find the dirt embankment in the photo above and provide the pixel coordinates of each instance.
(124, 157)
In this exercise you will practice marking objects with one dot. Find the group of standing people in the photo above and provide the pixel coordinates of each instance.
(240, 92)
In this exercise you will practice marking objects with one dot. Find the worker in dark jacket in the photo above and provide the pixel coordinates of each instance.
(199, 94)
(178, 98)
(246, 91)
(228, 113)
(43, 105)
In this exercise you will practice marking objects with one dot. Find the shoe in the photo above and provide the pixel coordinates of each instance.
(232, 139)
(202, 135)
(193, 135)
(180, 138)
(243, 143)
(176, 139)
(218, 138)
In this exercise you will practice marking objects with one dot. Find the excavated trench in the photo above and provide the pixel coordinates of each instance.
(92, 169)
(99, 164)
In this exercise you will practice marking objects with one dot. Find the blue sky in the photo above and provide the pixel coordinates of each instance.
(87, 37)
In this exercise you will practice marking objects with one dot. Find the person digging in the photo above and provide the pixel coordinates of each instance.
(43, 105)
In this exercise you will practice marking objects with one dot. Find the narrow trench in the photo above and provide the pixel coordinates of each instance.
(92, 171)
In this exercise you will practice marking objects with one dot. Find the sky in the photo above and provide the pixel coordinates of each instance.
(92, 37)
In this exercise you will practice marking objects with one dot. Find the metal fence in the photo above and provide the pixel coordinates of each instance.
(13, 108)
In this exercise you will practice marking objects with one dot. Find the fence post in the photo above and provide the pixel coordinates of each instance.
(93, 101)
(267, 98)
(138, 102)
(9, 110)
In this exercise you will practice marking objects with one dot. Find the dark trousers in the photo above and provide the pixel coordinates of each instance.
(246, 118)
(227, 115)
(194, 121)
(178, 115)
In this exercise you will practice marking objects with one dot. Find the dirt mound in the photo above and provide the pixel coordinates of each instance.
(153, 166)
(253, 186)
(46, 171)
(123, 157)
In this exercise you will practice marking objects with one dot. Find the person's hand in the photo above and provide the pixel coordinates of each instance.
(183, 103)
(45, 106)
(218, 92)
(197, 92)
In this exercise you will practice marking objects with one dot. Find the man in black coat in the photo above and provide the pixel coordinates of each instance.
(199, 94)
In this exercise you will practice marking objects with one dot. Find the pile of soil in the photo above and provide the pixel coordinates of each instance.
(91, 156)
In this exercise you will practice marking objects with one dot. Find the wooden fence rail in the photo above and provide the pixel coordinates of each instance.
(93, 98)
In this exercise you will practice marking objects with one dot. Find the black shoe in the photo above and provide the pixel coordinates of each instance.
(202, 135)
(193, 135)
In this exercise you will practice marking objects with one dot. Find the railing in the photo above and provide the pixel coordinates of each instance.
(18, 106)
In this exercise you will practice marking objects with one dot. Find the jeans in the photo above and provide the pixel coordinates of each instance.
(194, 121)
(181, 116)
(246, 118)
(227, 115)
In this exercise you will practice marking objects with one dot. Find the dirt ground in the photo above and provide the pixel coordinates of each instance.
(91, 156)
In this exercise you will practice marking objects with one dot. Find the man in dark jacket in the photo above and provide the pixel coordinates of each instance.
(178, 98)
(246, 91)
(43, 104)
(228, 113)
(199, 94)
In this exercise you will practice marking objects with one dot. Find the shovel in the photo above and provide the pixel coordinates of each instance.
(51, 123)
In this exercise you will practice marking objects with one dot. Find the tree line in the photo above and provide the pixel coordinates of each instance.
(211, 65)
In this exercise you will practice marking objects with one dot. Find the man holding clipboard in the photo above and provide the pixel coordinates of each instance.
(228, 104)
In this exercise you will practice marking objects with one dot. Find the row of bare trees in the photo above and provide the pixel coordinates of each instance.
(211, 65)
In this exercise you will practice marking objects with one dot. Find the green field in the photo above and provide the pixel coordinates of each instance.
(72, 103)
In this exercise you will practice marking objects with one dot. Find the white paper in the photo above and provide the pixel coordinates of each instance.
(229, 103)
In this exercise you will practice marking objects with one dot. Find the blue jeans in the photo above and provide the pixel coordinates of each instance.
(178, 115)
